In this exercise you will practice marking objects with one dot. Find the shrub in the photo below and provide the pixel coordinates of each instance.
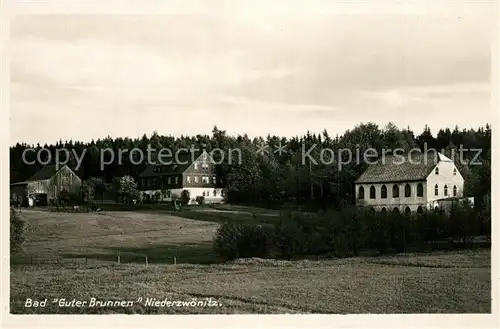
(157, 197)
(200, 200)
(464, 223)
(336, 232)
(185, 197)
(16, 232)
(345, 233)
(235, 240)
(290, 236)
(226, 240)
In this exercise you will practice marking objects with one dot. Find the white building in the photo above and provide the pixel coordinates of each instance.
(409, 183)
(193, 172)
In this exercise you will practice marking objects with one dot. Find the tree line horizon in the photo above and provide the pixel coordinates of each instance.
(271, 177)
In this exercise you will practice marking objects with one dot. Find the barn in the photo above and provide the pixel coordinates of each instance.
(45, 186)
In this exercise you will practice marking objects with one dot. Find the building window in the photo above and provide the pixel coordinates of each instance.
(384, 211)
(454, 190)
(176, 180)
(203, 193)
(372, 192)
(383, 192)
(396, 210)
(420, 190)
(168, 193)
(361, 192)
(215, 192)
(205, 156)
(214, 180)
(420, 210)
(437, 171)
(395, 191)
(188, 179)
(454, 171)
(407, 191)
(169, 180)
(196, 166)
(196, 179)
(436, 190)
(445, 190)
(204, 180)
(407, 210)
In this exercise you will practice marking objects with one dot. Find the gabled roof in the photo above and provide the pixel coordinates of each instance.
(45, 173)
(415, 166)
(175, 165)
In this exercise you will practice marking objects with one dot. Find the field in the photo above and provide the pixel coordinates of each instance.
(75, 256)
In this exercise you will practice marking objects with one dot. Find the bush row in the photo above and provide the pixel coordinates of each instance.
(347, 232)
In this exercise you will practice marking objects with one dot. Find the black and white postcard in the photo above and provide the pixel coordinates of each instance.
(327, 159)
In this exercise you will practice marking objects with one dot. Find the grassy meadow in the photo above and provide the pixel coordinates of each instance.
(74, 256)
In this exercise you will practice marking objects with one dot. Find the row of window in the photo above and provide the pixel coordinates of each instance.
(420, 210)
(189, 179)
(436, 190)
(395, 191)
(204, 166)
(436, 171)
(160, 169)
(168, 193)
(407, 191)
(407, 210)
(150, 182)
(204, 179)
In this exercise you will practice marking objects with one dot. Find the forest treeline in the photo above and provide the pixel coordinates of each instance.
(271, 177)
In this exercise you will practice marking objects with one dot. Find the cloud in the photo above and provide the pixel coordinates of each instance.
(185, 73)
(399, 97)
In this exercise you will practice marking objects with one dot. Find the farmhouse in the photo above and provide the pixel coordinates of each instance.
(194, 172)
(409, 183)
(45, 186)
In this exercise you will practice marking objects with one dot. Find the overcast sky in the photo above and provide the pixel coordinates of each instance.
(84, 77)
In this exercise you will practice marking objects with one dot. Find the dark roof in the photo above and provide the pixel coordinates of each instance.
(176, 164)
(399, 168)
(45, 173)
(20, 183)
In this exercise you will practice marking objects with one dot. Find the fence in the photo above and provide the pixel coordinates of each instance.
(116, 259)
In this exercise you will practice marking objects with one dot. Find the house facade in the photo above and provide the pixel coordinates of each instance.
(46, 185)
(194, 172)
(410, 183)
